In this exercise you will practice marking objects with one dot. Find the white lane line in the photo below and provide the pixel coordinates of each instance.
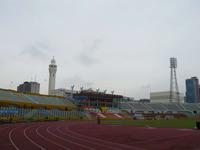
(103, 141)
(50, 141)
(81, 145)
(95, 140)
(27, 137)
(11, 140)
(186, 129)
(118, 115)
(88, 141)
(150, 128)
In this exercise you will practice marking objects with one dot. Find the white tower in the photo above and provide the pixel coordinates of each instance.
(52, 75)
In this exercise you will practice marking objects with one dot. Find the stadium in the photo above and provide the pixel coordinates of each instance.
(93, 120)
(34, 121)
(118, 83)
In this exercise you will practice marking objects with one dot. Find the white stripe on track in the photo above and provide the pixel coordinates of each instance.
(81, 145)
(11, 140)
(26, 136)
(50, 141)
(103, 141)
(88, 141)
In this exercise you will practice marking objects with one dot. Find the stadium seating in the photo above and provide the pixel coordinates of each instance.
(140, 107)
(46, 100)
(12, 96)
(157, 107)
(172, 107)
(28, 106)
(160, 107)
(7, 95)
(125, 106)
(191, 107)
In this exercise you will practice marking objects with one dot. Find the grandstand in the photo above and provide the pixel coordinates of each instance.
(16, 106)
(28, 99)
(160, 107)
(25, 106)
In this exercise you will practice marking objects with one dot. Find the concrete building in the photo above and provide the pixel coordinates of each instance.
(164, 97)
(192, 90)
(52, 76)
(29, 87)
(62, 92)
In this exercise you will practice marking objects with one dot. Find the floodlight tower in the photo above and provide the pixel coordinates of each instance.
(173, 80)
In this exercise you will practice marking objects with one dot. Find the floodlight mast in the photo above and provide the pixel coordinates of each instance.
(173, 80)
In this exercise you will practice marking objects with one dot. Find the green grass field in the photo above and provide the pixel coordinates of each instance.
(175, 123)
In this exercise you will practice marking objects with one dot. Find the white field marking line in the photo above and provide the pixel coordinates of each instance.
(95, 140)
(118, 116)
(186, 129)
(84, 140)
(39, 146)
(150, 128)
(101, 115)
(108, 142)
(68, 140)
(50, 141)
(100, 140)
(11, 140)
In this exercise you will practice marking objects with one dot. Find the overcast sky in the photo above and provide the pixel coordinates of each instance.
(120, 45)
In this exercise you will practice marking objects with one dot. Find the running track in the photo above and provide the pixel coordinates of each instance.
(77, 135)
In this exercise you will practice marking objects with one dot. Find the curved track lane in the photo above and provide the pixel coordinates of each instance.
(76, 135)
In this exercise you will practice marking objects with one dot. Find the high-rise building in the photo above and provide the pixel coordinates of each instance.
(192, 90)
(29, 87)
(52, 75)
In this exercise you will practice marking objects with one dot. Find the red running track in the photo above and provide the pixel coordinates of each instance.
(78, 135)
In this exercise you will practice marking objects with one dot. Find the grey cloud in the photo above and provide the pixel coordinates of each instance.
(140, 37)
(87, 56)
(38, 50)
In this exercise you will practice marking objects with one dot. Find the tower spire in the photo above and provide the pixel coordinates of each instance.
(52, 75)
